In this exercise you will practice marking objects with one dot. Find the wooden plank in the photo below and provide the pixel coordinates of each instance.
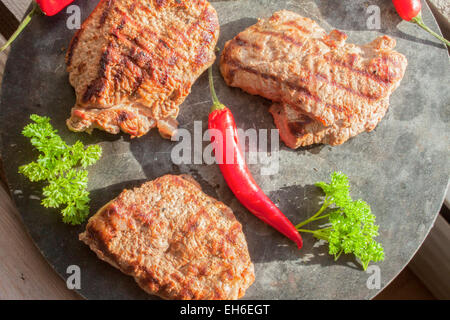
(17, 7)
(441, 11)
(407, 286)
(8, 21)
(3, 57)
(431, 264)
(24, 274)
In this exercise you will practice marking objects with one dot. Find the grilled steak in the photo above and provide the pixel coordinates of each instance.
(133, 63)
(325, 90)
(177, 242)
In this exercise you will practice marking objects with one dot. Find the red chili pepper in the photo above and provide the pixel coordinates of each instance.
(237, 174)
(48, 7)
(52, 7)
(411, 10)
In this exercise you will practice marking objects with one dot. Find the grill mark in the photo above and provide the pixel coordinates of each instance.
(75, 39)
(140, 74)
(364, 73)
(140, 60)
(233, 234)
(133, 6)
(323, 78)
(244, 43)
(123, 116)
(294, 24)
(206, 17)
(161, 3)
(118, 76)
(105, 13)
(386, 61)
(333, 61)
(164, 44)
(100, 241)
(302, 90)
(209, 18)
(165, 77)
(281, 36)
(294, 86)
(194, 221)
(122, 23)
(98, 86)
(200, 57)
(148, 9)
(72, 47)
(132, 22)
(143, 31)
(143, 57)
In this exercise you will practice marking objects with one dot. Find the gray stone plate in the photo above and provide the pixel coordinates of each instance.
(401, 168)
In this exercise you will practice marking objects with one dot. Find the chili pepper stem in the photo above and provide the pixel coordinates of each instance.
(216, 103)
(418, 20)
(315, 217)
(22, 26)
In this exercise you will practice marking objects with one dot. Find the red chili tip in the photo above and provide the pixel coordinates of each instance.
(298, 240)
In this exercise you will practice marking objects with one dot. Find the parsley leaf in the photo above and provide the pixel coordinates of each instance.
(351, 225)
(58, 164)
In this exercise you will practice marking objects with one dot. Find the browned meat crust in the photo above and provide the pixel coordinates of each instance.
(177, 242)
(133, 62)
(325, 90)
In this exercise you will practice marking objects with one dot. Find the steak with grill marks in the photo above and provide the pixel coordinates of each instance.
(177, 242)
(133, 63)
(325, 90)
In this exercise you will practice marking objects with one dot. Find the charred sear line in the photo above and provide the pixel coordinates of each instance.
(380, 80)
(294, 86)
(100, 241)
(302, 90)
(160, 3)
(105, 13)
(299, 43)
(98, 86)
(244, 43)
(297, 26)
(284, 37)
(144, 55)
(318, 76)
(72, 47)
(146, 35)
(133, 5)
(123, 116)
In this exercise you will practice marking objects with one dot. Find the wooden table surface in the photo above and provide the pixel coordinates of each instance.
(24, 273)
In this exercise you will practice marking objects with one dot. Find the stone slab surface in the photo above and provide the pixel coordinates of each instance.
(401, 168)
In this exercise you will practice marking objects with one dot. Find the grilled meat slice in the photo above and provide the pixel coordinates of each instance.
(298, 130)
(332, 90)
(177, 242)
(133, 63)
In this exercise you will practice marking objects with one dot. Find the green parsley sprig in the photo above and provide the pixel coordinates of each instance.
(58, 164)
(351, 225)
